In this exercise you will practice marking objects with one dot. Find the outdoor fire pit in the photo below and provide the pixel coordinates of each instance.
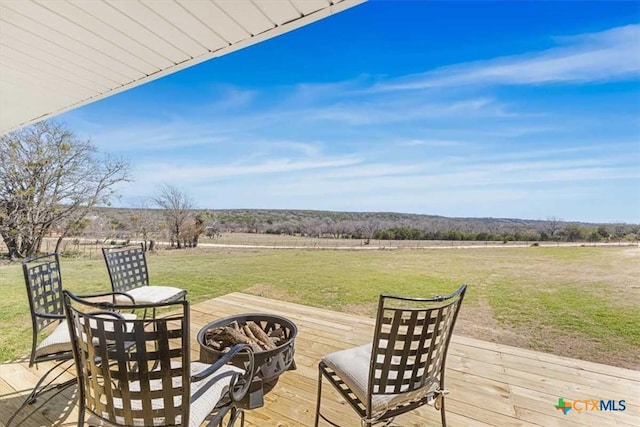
(270, 360)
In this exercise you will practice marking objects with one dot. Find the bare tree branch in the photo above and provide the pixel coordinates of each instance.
(178, 208)
(50, 178)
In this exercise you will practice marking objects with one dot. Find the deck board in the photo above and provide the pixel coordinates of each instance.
(490, 384)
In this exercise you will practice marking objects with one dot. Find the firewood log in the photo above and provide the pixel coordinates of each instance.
(277, 333)
(261, 336)
(231, 336)
(245, 330)
(215, 344)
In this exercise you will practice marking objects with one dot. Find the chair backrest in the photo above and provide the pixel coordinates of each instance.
(127, 267)
(132, 372)
(44, 289)
(410, 343)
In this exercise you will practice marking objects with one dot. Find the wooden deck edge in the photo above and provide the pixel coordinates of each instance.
(585, 365)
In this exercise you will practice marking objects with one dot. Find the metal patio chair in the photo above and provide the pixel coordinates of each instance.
(138, 372)
(404, 367)
(44, 291)
(43, 281)
(128, 272)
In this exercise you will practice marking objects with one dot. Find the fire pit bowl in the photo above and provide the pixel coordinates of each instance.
(269, 364)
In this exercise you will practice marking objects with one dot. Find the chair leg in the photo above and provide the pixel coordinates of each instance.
(319, 397)
(81, 415)
(31, 399)
(42, 389)
(318, 414)
(236, 414)
(442, 414)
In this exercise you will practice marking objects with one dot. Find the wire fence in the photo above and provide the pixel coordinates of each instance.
(74, 247)
(92, 248)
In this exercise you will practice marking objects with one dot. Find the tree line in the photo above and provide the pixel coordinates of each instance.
(146, 223)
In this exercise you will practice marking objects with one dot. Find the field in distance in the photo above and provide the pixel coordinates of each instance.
(281, 240)
(581, 302)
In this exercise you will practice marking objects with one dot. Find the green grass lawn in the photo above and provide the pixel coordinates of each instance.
(579, 302)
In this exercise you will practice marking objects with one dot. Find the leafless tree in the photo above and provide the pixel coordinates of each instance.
(144, 224)
(552, 225)
(368, 229)
(178, 208)
(50, 178)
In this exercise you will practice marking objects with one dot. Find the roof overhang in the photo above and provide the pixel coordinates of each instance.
(59, 55)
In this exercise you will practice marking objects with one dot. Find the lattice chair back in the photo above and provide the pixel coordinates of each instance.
(127, 267)
(44, 290)
(409, 349)
(133, 372)
(403, 368)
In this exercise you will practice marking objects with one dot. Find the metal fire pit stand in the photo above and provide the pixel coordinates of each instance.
(270, 364)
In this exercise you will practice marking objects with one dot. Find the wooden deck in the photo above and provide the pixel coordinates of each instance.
(490, 384)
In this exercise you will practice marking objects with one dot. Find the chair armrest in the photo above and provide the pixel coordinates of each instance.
(50, 316)
(240, 383)
(104, 294)
(108, 313)
(224, 360)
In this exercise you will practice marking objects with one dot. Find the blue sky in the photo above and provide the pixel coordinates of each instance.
(465, 109)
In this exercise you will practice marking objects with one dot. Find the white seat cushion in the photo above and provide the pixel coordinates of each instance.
(149, 294)
(352, 366)
(60, 340)
(205, 394)
(56, 342)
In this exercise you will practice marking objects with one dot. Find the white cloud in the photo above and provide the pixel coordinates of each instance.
(153, 135)
(431, 143)
(610, 55)
(405, 109)
(371, 170)
(199, 172)
(232, 97)
(306, 149)
(305, 93)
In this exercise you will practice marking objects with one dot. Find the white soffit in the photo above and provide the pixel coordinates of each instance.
(56, 55)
